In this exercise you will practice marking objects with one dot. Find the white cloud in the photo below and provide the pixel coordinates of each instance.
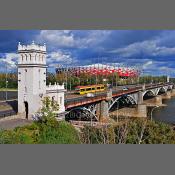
(147, 64)
(71, 38)
(57, 37)
(9, 59)
(59, 57)
(148, 48)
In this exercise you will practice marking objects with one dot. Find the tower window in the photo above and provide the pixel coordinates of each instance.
(60, 100)
(39, 79)
(25, 89)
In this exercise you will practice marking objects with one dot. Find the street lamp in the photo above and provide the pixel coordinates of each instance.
(117, 111)
(153, 110)
(6, 83)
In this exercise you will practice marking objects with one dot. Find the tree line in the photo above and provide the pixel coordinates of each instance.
(71, 81)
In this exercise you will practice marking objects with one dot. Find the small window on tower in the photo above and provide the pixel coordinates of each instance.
(25, 89)
(60, 100)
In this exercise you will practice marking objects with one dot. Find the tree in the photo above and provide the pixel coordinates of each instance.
(133, 131)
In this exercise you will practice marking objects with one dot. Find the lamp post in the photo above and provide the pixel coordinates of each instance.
(6, 83)
(117, 111)
(152, 111)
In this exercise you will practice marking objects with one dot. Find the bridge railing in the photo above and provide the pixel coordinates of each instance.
(81, 100)
(102, 96)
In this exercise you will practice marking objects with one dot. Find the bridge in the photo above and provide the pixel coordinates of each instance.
(99, 107)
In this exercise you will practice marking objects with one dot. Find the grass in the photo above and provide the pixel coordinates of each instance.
(41, 133)
(8, 89)
(4, 107)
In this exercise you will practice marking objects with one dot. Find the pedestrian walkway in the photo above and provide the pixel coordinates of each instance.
(13, 122)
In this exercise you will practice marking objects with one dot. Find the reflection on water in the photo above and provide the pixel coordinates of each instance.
(167, 113)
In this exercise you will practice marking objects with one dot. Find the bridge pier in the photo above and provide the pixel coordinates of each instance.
(140, 97)
(102, 110)
(158, 100)
(173, 92)
(167, 95)
(98, 111)
(141, 110)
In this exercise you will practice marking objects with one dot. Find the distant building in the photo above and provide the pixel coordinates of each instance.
(32, 80)
(100, 69)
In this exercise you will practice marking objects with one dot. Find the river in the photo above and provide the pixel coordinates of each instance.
(167, 113)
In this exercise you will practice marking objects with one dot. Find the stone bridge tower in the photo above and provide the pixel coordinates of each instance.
(31, 77)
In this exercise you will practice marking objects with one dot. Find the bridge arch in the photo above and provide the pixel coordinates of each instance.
(161, 90)
(128, 98)
(82, 113)
(149, 93)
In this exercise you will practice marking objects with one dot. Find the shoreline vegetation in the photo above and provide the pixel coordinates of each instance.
(47, 130)
(8, 89)
(51, 131)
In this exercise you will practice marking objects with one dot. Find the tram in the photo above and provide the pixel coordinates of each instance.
(89, 89)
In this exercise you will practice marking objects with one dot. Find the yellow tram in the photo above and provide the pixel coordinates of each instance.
(89, 89)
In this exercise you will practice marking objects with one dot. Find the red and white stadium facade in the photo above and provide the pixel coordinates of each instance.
(104, 70)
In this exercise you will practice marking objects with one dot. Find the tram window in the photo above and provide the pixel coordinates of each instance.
(93, 89)
(102, 87)
(98, 87)
(82, 90)
(88, 89)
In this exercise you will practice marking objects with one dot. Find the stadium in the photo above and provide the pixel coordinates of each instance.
(100, 69)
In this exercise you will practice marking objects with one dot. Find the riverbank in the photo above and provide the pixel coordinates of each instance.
(8, 89)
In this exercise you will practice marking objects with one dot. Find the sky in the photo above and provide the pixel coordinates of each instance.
(151, 50)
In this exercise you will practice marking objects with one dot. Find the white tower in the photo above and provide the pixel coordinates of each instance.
(31, 77)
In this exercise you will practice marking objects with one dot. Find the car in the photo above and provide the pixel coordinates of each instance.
(125, 89)
(90, 95)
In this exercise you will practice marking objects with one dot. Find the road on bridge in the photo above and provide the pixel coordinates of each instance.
(74, 100)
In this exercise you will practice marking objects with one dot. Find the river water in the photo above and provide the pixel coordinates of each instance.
(167, 113)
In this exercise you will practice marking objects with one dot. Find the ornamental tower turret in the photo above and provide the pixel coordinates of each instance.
(31, 77)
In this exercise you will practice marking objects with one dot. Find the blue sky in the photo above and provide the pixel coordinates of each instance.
(152, 50)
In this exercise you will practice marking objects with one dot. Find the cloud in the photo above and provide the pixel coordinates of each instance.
(144, 49)
(59, 38)
(147, 64)
(154, 50)
(9, 60)
(60, 57)
(72, 38)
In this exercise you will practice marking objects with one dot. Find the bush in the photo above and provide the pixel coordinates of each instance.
(58, 133)
(135, 131)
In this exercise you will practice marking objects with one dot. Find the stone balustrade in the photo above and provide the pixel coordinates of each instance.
(56, 86)
(32, 46)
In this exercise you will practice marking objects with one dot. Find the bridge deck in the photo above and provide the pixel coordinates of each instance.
(71, 102)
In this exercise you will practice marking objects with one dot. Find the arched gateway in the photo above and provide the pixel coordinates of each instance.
(32, 80)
